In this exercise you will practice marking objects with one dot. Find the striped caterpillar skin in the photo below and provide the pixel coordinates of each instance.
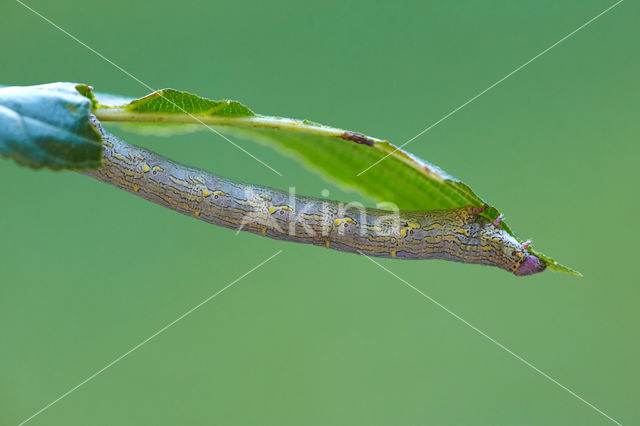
(459, 235)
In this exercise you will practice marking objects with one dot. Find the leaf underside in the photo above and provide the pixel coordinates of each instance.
(48, 126)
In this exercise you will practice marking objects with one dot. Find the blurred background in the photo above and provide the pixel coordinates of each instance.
(317, 337)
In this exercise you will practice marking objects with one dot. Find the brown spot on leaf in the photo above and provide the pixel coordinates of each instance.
(357, 138)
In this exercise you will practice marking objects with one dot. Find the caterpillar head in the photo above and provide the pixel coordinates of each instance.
(531, 265)
(505, 251)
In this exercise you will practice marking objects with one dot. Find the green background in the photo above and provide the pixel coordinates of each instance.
(317, 337)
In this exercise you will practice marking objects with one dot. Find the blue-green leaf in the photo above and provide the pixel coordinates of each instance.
(48, 126)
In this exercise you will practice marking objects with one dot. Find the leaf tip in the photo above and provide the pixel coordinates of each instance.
(87, 91)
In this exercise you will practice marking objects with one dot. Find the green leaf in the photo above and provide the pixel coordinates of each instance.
(48, 126)
(175, 102)
(338, 155)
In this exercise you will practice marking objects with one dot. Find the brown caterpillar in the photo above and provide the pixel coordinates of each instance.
(460, 235)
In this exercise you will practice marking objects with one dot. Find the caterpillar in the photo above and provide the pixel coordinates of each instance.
(460, 235)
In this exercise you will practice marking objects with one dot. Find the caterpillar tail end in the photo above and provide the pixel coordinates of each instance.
(530, 266)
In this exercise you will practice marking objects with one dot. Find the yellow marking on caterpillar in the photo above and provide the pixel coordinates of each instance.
(109, 144)
(184, 194)
(410, 226)
(197, 213)
(181, 182)
(124, 181)
(369, 248)
(273, 209)
(145, 168)
(372, 227)
(462, 231)
(206, 193)
(327, 243)
(220, 194)
(129, 172)
(121, 158)
(393, 253)
(345, 220)
(434, 225)
(250, 203)
(264, 230)
(136, 188)
(377, 238)
(157, 169)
